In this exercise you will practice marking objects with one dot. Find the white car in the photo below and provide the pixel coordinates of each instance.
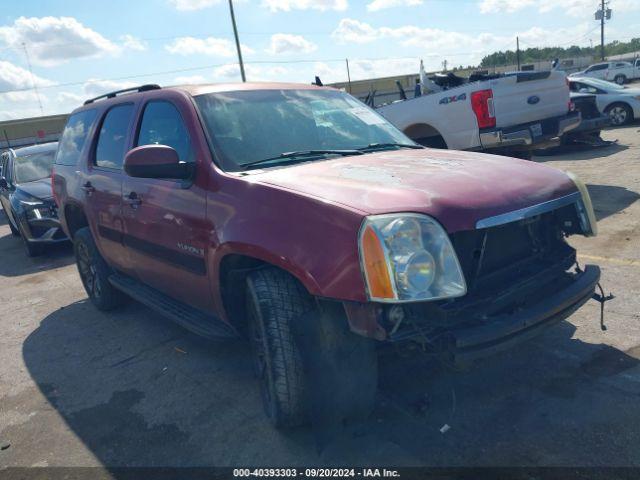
(622, 104)
(619, 72)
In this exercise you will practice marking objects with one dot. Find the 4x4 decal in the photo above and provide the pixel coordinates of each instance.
(454, 98)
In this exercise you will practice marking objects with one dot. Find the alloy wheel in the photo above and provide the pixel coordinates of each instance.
(618, 115)
(88, 271)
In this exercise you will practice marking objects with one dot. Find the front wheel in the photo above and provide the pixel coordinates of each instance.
(275, 300)
(94, 272)
(619, 114)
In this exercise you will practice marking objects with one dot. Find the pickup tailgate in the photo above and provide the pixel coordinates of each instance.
(524, 97)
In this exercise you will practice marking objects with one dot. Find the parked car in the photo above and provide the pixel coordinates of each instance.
(26, 196)
(620, 103)
(508, 114)
(299, 217)
(618, 72)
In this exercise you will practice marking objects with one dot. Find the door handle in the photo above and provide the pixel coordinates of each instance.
(88, 188)
(133, 200)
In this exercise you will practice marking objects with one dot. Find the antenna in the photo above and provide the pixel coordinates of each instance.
(33, 80)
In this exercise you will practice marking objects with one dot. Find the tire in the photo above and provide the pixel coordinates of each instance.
(274, 300)
(31, 249)
(620, 79)
(619, 114)
(94, 272)
(14, 231)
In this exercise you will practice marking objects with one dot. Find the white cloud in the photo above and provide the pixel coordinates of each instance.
(575, 8)
(189, 80)
(284, 43)
(54, 40)
(220, 47)
(254, 73)
(288, 5)
(190, 5)
(376, 5)
(94, 87)
(132, 43)
(13, 77)
(354, 31)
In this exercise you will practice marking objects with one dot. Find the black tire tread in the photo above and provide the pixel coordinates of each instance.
(281, 300)
(111, 297)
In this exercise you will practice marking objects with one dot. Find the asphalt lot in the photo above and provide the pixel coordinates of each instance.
(129, 388)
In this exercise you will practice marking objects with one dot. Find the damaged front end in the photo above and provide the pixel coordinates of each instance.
(521, 277)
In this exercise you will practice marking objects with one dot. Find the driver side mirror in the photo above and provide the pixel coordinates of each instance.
(156, 161)
(3, 183)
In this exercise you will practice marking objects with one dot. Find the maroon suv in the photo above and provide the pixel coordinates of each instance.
(301, 218)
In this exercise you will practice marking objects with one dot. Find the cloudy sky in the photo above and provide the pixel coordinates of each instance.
(78, 49)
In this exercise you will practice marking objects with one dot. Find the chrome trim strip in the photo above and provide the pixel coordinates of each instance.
(528, 211)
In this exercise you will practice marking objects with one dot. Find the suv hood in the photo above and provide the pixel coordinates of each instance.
(40, 188)
(457, 188)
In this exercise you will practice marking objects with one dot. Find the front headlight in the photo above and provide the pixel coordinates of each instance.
(407, 258)
(586, 215)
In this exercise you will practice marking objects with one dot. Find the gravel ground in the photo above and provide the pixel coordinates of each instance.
(83, 388)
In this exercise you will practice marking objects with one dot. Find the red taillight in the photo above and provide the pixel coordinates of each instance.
(482, 105)
(572, 106)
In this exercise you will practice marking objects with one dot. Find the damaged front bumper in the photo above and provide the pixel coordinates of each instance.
(505, 331)
(479, 327)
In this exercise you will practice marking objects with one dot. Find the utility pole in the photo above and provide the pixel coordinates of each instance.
(348, 74)
(33, 80)
(235, 33)
(518, 52)
(602, 31)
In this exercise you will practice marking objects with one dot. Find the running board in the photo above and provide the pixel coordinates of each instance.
(188, 317)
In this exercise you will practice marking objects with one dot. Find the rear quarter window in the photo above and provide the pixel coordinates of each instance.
(74, 137)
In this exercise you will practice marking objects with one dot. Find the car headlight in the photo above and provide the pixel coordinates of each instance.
(407, 258)
(586, 215)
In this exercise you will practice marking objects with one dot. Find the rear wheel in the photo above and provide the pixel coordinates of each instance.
(619, 113)
(94, 272)
(620, 79)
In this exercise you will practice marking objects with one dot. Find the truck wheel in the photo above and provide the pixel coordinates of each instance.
(619, 113)
(94, 272)
(620, 79)
(274, 300)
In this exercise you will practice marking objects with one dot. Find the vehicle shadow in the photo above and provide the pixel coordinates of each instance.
(579, 153)
(140, 391)
(14, 261)
(610, 199)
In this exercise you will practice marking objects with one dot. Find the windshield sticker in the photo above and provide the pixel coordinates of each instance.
(367, 116)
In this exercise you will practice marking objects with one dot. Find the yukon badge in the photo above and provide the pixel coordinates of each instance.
(191, 249)
(533, 99)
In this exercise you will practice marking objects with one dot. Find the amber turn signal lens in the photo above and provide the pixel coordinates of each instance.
(375, 265)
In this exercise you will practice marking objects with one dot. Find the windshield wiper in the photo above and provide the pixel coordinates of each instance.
(384, 146)
(289, 157)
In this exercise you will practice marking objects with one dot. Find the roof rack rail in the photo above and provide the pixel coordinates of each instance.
(141, 88)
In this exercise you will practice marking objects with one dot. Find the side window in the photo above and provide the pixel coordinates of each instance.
(113, 135)
(162, 125)
(74, 136)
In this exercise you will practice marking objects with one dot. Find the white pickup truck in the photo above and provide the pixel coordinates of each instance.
(619, 72)
(508, 114)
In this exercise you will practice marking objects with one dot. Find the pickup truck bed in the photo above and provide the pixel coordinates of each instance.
(516, 111)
